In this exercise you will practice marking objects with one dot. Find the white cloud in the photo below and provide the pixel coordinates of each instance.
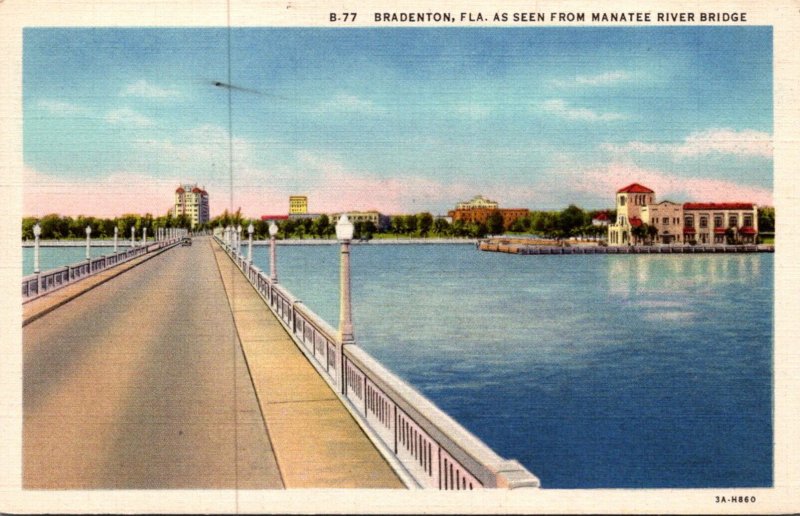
(142, 88)
(127, 117)
(60, 108)
(560, 108)
(712, 141)
(602, 79)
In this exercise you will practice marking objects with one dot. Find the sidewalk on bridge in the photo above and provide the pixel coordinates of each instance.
(315, 439)
(38, 307)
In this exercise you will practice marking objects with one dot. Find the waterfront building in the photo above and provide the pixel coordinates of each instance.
(601, 219)
(630, 201)
(719, 223)
(192, 201)
(303, 216)
(481, 215)
(667, 219)
(477, 202)
(274, 217)
(380, 220)
(298, 204)
(687, 223)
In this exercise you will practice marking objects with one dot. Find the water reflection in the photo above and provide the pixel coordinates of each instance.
(642, 274)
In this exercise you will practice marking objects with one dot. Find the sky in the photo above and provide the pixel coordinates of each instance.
(401, 120)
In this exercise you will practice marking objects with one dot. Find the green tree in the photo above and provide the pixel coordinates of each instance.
(27, 227)
(397, 225)
(495, 223)
(410, 224)
(570, 218)
(322, 226)
(459, 229)
(441, 227)
(652, 233)
(766, 219)
(425, 223)
(638, 233)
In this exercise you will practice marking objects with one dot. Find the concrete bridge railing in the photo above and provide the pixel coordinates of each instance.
(429, 446)
(39, 284)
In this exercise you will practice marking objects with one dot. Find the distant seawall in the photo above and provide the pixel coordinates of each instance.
(536, 248)
(379, 241)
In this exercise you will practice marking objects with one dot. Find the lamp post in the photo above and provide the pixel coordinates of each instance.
(273, 271)
(116, 234)
(37, 232)
(133, 236)
(144, 236)
(228, 235)
(344, 233)
(250, 230)
(239, 239)
(88, 242)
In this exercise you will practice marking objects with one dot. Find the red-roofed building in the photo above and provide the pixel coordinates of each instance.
(691, 222)
(635, 188)
(192, 201)
(630, 201)
(601, 219)
(721, 222)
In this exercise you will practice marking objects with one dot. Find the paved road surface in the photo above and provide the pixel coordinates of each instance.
(141, 383)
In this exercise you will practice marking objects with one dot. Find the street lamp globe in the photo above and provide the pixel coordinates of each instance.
(250, 229)
(344, 229)
(37, 230)
(88, 230)
(239, 228)
(273, 229)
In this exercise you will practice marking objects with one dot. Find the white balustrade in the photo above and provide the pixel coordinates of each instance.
(37, 285)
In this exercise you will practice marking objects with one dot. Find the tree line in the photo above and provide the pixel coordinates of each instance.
(572, 221)
(59, 227)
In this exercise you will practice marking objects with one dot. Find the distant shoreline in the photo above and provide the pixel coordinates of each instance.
(374, 241)
(304, 241)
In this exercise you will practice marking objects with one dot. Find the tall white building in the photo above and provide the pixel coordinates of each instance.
(192, 201)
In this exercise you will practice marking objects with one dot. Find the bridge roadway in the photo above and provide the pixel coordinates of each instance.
(143, 382)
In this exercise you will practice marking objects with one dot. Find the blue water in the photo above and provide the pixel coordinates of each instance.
(53, 257)
(593, 371)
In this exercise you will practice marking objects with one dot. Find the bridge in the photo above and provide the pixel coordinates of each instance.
(170, 366)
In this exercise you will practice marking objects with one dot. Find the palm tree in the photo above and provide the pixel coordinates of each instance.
(638, 233)
(652, 232)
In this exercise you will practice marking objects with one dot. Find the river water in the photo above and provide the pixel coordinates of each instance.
(592, 370)
(53, 257)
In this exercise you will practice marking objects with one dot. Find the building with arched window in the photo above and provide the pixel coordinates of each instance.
(629, 203)
(688, 223)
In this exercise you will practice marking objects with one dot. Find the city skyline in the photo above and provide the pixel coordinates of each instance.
(532, 117)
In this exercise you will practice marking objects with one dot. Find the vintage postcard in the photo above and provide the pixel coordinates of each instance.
(493, 257)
